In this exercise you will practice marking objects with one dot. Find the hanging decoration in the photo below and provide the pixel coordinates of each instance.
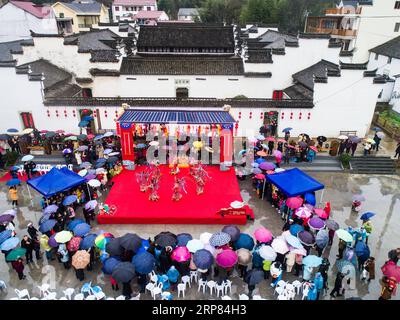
(65, 113)
(300, 115)
(105, 113)
(309, 116)
(282, 115)
(291, 115)
(74, 113)
(57, 113)
(251, 115)
(48, 113)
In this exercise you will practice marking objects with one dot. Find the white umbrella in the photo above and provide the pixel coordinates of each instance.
(267, 253)
(205, 237)
(343, 137)
(94, 183)
(27, 131)
(380, 134)
(154, 143)
(113, 154)
(100, 170)
(108, 134)
(83, 172)
(194, 245)
(28, 157)
(280, 245)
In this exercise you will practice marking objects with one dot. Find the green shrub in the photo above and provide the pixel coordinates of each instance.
(345, 160)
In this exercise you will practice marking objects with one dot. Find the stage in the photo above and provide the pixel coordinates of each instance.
(134, 207)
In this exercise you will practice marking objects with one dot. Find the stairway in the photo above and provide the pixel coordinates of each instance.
(321, 163)
(53, 159)
(373, 165)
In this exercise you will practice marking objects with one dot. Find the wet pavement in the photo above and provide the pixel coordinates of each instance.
(382, 194)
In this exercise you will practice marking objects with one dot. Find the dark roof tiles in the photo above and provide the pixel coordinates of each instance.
(389, 49)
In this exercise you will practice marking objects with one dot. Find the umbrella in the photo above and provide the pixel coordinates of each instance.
(303, 213)
(343, 137)
(267, 166)
(66, 151)
(13, 182)
(91, 205)
(306, 238)
(71, 138)
(301, 251)
(108, 134)
(355, 139)
(6, 218)
(342, 263)
(141, 146)
(302, 144)
(108, 151)
(183, 239)
(344, 235)
(295, 229)
(74, 243)
(203, 259)
(114, 154)
(83, 124)
(100, 170)
(88, 241)
(85, 165)
(52, 242)
(367, 216)
(277, 154)
(254, 277)
(254, 164)
(82, 137)
(27, 158)
(316, 223)
(370, 140)
(130, 241)
(70, 200)
(244, 241)
(361, 249)
(11, 212)
(110, 264)
(81, 229)
(90, 177)
(194, 245)
(82, 148)
(4, 235)
(113, 247)
(99, 137)
(259, 176)
(279, 245)
(390, 269)
(263, 235)
(313, 148)
(165, 239)
(259, 161)
(124, 272)
(71, 225)
(293, 241)
(260, 137)
(267, 253)
(233, 231)
(227, 258)
(358, 197)
(377, 129)
(349, 270)
(312, 261)
(63, 236)
(80, 259)
(287, 129)
(270, 139)
(244, 256)
(257, 171)
(322, 238)
(112, 159)
(16, 254)
(219, 239)
(262, 153)
(83, 172)
(12, 130)
(50, 209)
(332, 225)
(94, 183)
(309, 198)
(101, 161)
(50, 134)
(10, 243)
(144, 262)
(321, 213)
(180, 254)
(294, 202)
(47, 225)
(380, 135)
(44, 218)
(205, 237)
(27, 131)
(144, 246)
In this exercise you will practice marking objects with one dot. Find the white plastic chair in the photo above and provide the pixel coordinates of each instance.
(228, 285)
(165, 295)
(226, 298)
(91, 297)
(79, 296)
(99, 295)
(220, 288)
(202, 285)
(243, 297)
(3, 285)
(282, 297)
(34, 298)
(157, 290)
(153, 276)
(297, 285)
(50, 296)
(181, 288)
(281, 283)
(279, 290)
(211, 284)
(306, 288)
(62, 298)
(69, 292)
(24, 293)
(291, 294)
(258, 297)
(186, 280)
(194, 276)
(44, 289)
(150, 287)
(121, 297)
(136, 297)
(110, 298)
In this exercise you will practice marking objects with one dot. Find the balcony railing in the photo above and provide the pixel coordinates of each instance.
(319, 30)
(84, 25)
(344, 32)
(343, 11)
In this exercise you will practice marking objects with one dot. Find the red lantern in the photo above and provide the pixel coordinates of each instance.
(251, 115)
(65, 113)
(300, 114)
(56, 113)
(282, 115)
(85, 111)
(48, 113)
(94, 113)
(291, 115)
(240, 115)
(116, 113)
(309, 116)
(236, 128)
(74, 113)
(261, 115)
(105, 113)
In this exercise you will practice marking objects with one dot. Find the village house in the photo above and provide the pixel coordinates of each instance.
(127, 9)
(188, 14)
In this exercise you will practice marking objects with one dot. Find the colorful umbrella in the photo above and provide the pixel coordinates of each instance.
(183, 239)
(321, 213)
(124, 272)
(312, 261)
(219, 239)
(309, 198)
(267, 166)
(102, 239)
(194, 245)
(306, 238)
(314, 148)
(81, 229)
(80, 259)
(367, 216)
(74, 244)
(294, 202)
(180, 254)
(267, 253)
(344, 235)
(244, 256)
(295, 229)
(47, 225)
(316, 223)
(277, 154)
(332, 225)
(259, 176)
(263, 235)
(88, 241)
(303, 213)
(70, 200)
(293, 241)
(130, 241)
(203, 259)
(11, 212)
(4, 235)
(91, 205)
(110, 264)
(244, 241)
(63, 236)
(227, 258)
(233, 231)
(279, 245)
(144, 262)
(15, 254)
(50, 209)
(390, 269)
(67, 151)
(9, 244)
(262, 154)
(52, 242)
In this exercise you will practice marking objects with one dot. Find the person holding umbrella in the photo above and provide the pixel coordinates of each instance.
(13, 193)
(173, 277)
(44, 243)
(18, 266)
(64, 255)
(338, 285)
(276, 273)
(369, 269)
(27, 244)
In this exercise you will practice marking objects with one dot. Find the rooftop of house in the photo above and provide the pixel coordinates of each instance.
(188, 12)
(84, 7)
(186, 36)
(390, 48)
(144, 14)
(298, 91)
(7, 49)
(39, 11)
(134, 2)
(259, 56)
(95, 39)
(275, 38)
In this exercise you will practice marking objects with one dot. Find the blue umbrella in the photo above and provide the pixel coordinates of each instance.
(342, 263)
(101, 160)
(74, 223)
(310, 198)
(5, 235)
(12, 130)
(99, 137)
(260, 160)
(203, 259)
(69, 200)
(362, 250)
(4, 137)
(83, 124)
(293, 241)
(81, 229)
(322, 238)
(50, 209)
(141, 146)
(367, 216)
(47, 225)
(110, 264)
(9, 244)
(13, 182)
(377, 129)
(44, 218)
(312, 261)
(87, 241)
(87, 118)
(144, 262)
(183, 239)
(287, 129)
(244, 241)
(295, 229)
(144, 247)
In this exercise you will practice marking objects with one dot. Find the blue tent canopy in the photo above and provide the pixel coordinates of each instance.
(55, 181)
(294, 182)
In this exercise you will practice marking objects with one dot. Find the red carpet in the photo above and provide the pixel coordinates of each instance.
(7, 177)
(134, 207)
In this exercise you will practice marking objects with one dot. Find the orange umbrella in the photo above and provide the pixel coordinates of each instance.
(80, 259)
(262, 153)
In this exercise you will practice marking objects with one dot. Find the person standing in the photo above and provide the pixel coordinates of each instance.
(338, 285)
(369, 267)
(165, 259)
(13, 193)
(341, 248)
(18, 266)
(64, 255)
(44, 243)
(367, 148)
(290, 261)
(353, 148)
(114, 284)
(377, 142)
(287, 135)
(397, 154)
(276, 273)
(80, 274)
(323, 269)
(367, 225)
(127, 290)
(27, 244)
(173, 276)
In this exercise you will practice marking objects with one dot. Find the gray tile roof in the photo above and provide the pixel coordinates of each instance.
(298, 91)
(104, 56)
(389, 49)
(93, 40)
(7, 49)
(259, 56)
(93, 7)
(272, 36)
(182, 65)
(188, 12)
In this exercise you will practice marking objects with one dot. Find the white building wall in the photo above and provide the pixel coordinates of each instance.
(123, 11)
(15, 24)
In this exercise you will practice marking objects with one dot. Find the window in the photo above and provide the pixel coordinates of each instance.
(397, 27)
(389, 60)
(61, 14)
(277, 95)
(376, 56)
(116, 8)
(397, 5)
(87, 92)
(148, 8)
(27, 120)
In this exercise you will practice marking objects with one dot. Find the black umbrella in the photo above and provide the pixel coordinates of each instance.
(124, 272)
(50, 134)
(4, 136)
(113, 247)
(130, 241)
(321, 139)
(254, 277)
(165, 239)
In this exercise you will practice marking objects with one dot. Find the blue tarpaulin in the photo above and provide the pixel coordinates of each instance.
(55, 181)
(294, 182)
